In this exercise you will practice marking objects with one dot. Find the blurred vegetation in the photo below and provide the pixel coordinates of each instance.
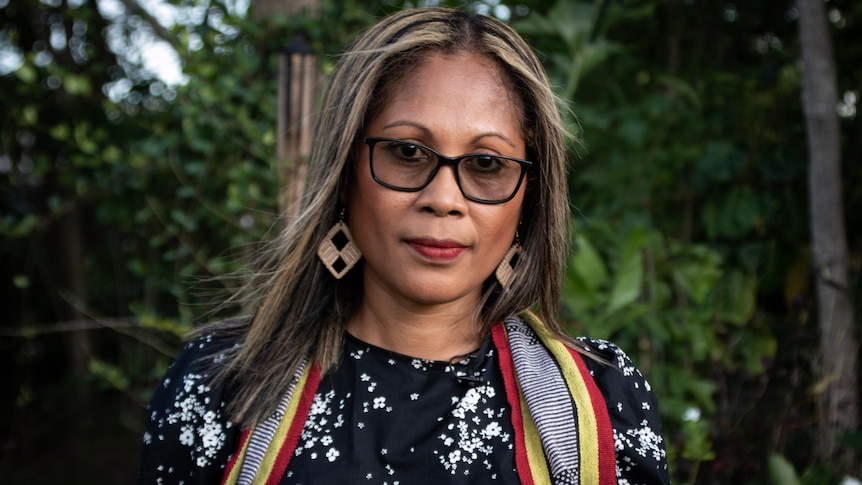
(126, 205)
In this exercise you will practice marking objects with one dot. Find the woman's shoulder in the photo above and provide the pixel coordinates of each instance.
(607, 355)
(192, 374)
(623, 385)
(188, 431)
(202, 354)
(633, 412)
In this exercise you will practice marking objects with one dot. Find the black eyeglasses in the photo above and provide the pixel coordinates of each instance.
(410, 167)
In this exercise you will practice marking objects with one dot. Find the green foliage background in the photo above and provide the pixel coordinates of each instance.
(125, 220)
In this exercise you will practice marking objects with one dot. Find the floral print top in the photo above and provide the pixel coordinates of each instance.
(383, 418)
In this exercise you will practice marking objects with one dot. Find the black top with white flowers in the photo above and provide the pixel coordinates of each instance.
(383, 418)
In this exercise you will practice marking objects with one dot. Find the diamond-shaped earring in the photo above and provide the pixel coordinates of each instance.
(506, 269)
(337, 251)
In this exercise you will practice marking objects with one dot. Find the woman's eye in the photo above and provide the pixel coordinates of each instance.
(484, 164)
(407, 151)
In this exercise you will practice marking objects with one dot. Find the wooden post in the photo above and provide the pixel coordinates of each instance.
(297, 90)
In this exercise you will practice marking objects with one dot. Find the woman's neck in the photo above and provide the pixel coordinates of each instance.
(435, 333)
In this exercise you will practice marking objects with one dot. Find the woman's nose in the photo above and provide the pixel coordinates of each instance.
(443, 195)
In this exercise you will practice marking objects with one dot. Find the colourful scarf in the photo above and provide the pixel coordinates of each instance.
(563, 434)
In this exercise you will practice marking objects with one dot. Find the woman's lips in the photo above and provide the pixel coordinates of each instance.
(437, 250)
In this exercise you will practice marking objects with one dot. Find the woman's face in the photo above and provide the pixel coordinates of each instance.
(434, 246)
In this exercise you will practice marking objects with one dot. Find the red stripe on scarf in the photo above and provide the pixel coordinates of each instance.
(293, 434)
(232, 462)
(605, 432)
(507, 367)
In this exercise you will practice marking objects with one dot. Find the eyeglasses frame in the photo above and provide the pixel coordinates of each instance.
(444, 160)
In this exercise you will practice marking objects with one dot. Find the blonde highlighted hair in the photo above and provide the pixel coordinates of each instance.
(301, 309)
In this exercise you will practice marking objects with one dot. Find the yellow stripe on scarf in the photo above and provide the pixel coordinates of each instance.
(533, 441)
(234, 472)
(587, 423)
(278, 439)
(283, 427)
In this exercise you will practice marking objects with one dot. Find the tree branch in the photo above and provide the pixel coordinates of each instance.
(133, 8)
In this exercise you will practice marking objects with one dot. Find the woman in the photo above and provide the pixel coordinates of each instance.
(392, 340)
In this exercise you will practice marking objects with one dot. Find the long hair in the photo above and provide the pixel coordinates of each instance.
(301, 310)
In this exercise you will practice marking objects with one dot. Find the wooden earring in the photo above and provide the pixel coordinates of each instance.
(337, 251)
(506, 269)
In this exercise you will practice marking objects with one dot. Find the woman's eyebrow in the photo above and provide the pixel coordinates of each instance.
(427, 132)
(414, 124)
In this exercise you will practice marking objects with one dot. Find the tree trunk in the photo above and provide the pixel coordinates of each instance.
(838, 344)
(72, 289)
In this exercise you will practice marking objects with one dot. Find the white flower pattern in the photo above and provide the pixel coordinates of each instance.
(201, 429)
(471, 426)
(470, 435)
(188, 436)
(190, 421)
(640, 450)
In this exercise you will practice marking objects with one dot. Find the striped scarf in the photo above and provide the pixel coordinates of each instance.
(563, 434)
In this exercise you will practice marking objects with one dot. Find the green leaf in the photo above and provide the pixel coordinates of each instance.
(696, 271)
(720, 162)
(680, 86)
(595, 53)
(733, 214)
(572, 21)
(21, 281)
(112, 153)
(587, 264)
(629, 275)
(30, 115)
(77, 84)
(697, 445)
(782, 472)
(758, 347)
(23, 227)
(581, 299)
(27, 73)
(84, 139)
(735, 297)
(60, 132)
(703, 391)
(110, 374)
(634, 131)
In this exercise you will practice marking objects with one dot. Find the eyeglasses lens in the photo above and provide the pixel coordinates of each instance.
(407, 166)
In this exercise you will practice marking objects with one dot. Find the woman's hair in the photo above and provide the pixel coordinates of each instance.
(301, 309)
